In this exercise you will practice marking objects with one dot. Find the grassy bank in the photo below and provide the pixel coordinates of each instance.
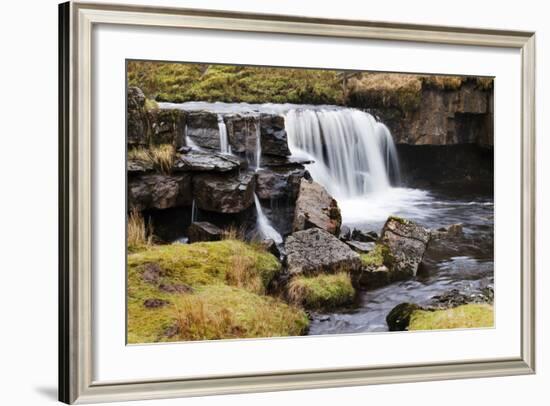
(325, 291)
(466, 316)
(206, 291)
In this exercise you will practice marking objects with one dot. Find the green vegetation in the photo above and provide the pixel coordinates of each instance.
(322, 291)
(199, 82)
(466, 316)
(205, 291)
(379, 256)
(160, 156)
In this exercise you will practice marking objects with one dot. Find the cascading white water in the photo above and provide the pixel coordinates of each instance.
(353, 153)
(265, 229)
(225, 148)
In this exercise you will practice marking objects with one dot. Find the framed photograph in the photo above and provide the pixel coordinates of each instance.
(262, 202)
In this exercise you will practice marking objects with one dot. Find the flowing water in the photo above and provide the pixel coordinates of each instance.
(356, 161)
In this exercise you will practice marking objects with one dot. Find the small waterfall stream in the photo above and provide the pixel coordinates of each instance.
(263, 225)
(225, 148)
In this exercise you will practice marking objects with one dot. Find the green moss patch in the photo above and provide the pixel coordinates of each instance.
(466, 316)
(321, 291)
(379, 256)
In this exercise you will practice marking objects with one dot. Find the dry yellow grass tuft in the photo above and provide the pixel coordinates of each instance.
(140, 235)
(162, 157)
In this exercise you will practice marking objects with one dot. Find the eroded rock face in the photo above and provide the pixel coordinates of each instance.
(202, 128)
(273, 135)
(137, 117)
(279, 183)
(203, 231)
(315, 207)
(242, 133)
(231, 193)
(167, 127)
(158, 191)
(314, 251)
(203, 161)
(407, 242)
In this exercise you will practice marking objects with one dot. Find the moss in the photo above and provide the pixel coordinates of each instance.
(379, 256)
(321, 291)
(466, 316)
(151, 104)
(400, 220)
(217, 302)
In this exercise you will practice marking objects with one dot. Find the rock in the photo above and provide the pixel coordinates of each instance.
(231, 193)
(407, 242)
(273, 135)
(279, 183)
(399, 317)
(314, 251)
(362, 236)
(184, 149)
(151, 273)
(137, 124)
(203, 161)
(345, 233)
(202, 128)
(203, 231)
(137, 166)
(451, 231)
(242, 132)
(271, 247)
(361, 247)
(167, 127)
(455, 297)
(273, 161)
(372, 278)
(159, 191)
(315, 207)
(176, 288)
(155, 303)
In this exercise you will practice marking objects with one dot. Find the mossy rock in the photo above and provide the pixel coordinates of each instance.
(465, 316)
(325, 291)
(379, 256)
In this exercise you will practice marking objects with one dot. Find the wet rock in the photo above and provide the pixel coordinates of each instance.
(358, 235)
(374, 277)
(137, 166)
(361, 247)
(224, 194)
(151, 273)
(345, 233)
(314, 251)
(184, 149)
(451, 231)
(203, 231)
(407, 242)
(167, 127)
(242, 132)
(315, 207)
(273, 135)
(137, 127)
(271, 247)
(202, 128)
(155, 303)
(175, 288)
(159, 191)
(455, 297)
(399, 317)
(203, 161)
(273, 161)
(279, 183)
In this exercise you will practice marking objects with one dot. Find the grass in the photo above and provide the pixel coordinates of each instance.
(466, 316)
(228, 280)
(379, 256)
(140, 235)
(321, 291)
(162, 157)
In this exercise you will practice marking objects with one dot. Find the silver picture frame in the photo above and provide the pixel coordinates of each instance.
(76, 21)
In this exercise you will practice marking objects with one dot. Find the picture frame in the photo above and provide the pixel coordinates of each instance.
(76, 214)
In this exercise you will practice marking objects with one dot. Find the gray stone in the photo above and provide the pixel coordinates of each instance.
(203, 161)
(315, 207)
(361, 247)
(158, 191)
(137, 124)
(202, 128)
(203, 231)
(273, 135)
(167, 127)
(315, 251)
(229, 193)
(279, 183)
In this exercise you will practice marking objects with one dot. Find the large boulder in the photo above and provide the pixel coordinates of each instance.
(273, 135)
(167, 127)
(242, 132)
(203, 161)
(407, 242)
(137, 125)
(315, 207)
(315, 251)
(203, 231)
(202, 128)
(229, 193)
(279, 183)
(158, 191)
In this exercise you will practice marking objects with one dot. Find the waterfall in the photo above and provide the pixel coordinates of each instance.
(354, 154)
(225, 148)
(194, 213)
(263, 225)
(189, 142)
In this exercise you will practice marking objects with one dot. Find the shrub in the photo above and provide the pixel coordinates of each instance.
(322, 291)
(162, 157)
(465, 316)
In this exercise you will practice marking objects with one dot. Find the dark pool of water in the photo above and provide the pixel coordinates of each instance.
(464, 263)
